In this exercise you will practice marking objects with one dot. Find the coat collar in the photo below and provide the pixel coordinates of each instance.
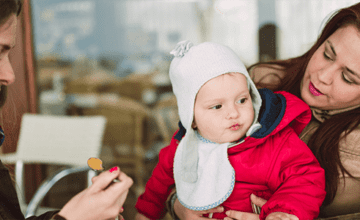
(322, 115)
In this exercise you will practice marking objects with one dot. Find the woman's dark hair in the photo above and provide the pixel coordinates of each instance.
(325, 141)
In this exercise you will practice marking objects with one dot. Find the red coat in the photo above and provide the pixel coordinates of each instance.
(273, 163)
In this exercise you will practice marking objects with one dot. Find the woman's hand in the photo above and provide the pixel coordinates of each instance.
(140, 216)
(99, 201)
(184, 213)
(281, 216)
(245, 215)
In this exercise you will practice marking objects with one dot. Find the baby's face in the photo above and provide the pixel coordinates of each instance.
(223, 110)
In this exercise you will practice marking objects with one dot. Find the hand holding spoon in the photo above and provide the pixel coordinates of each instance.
(96, 165)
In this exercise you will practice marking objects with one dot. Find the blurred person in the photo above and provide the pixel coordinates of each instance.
(99, 201)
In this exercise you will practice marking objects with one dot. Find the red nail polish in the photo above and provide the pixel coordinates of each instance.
(113, 169)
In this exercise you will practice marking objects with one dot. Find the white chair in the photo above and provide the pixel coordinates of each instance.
(54, 140)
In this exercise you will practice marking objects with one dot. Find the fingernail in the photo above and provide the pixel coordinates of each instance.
(122, 209)
(113, 169)
(221, 209)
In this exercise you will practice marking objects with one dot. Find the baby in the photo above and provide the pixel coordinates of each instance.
(233, 141)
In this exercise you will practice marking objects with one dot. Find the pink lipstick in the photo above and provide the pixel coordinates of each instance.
(314, 90)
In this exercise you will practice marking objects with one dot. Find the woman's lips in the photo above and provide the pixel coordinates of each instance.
(235, 127)
(314, 90)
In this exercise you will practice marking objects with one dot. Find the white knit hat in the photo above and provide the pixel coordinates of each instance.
(193, 66)
(190, 69)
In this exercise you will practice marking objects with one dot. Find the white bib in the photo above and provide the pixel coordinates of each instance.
(209, 181)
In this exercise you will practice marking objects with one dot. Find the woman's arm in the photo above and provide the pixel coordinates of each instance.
(184, 213)
(249, 216)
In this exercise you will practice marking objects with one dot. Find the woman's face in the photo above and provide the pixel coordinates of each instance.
(332, 77)
(7, 42)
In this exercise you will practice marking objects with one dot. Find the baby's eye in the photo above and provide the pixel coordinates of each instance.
(243, 100)
(216, 107)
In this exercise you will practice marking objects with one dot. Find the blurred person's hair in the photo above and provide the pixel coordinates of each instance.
(9, 7)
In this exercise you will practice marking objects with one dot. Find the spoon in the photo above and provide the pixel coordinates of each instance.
(96, 165)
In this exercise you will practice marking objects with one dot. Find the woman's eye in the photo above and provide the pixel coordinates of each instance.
(327, 57)
(216, 107)
(345, 79)
(242, 100)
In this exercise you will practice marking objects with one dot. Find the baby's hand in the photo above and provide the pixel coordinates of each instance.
(281, 216)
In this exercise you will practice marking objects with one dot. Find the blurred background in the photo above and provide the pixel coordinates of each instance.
(111, 58)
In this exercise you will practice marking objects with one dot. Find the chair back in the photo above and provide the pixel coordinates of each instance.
(167, 118)
(63, 140)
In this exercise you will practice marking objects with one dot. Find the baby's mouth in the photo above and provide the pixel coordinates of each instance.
(235, 127)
